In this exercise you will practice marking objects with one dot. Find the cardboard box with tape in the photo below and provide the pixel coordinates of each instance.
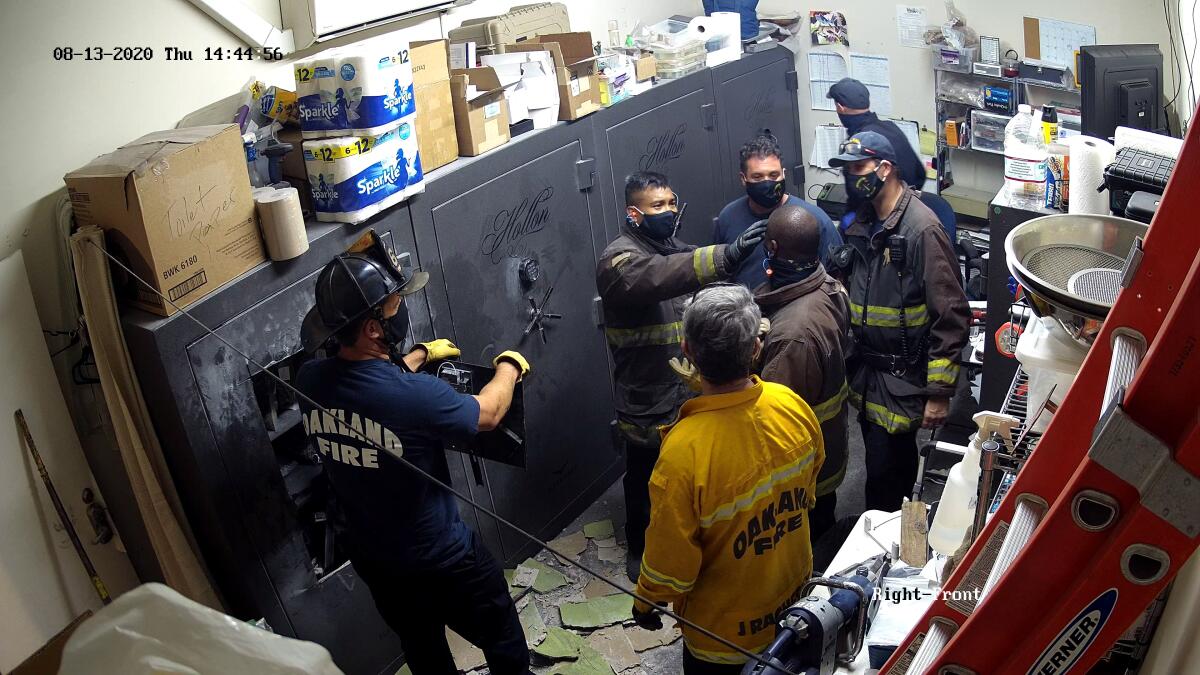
(435, 105)
(176, 205)
(480, 111)
(575, 68)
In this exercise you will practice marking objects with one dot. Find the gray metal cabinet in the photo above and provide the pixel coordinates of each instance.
(236, 452)
(670, 129)
(520, 231)
(758, 93)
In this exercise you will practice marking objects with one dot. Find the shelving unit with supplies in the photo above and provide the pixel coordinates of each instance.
(961, 96)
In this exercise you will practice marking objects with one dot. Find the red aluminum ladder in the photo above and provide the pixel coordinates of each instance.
(1107, 509)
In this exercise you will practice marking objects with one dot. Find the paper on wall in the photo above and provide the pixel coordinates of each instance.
(826, 66)
(871, 69)
(912, 133)
(910, 26)
(881, 100)
(827, 142)
(824, 69)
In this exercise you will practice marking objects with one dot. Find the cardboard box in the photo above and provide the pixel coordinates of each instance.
(534, 95)
(645, 67)
(481, 113)
(575, 68)
(176, 204)
(436, 135)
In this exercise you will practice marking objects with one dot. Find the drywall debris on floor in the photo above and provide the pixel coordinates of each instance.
(601, 529)
(597, 612)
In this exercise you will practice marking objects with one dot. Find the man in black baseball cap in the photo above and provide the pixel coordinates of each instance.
(908, 315)
(425, 568)
(853, 102)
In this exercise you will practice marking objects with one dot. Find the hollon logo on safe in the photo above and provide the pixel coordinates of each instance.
(502, 232)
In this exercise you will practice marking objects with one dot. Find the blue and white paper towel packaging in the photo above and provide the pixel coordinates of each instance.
(362, 89)
(354, 178)
(357, 116)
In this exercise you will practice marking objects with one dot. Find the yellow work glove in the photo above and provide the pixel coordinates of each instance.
(440, 349)
(686, 372)
(516, 359)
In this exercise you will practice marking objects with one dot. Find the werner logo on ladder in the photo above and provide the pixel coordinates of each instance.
(1094, 530)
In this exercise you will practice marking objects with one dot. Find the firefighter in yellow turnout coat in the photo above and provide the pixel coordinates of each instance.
(728, 542)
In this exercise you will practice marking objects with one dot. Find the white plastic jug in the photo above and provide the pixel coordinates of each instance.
(1052, 360)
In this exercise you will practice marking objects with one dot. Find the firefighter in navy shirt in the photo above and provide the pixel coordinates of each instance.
(426, 569)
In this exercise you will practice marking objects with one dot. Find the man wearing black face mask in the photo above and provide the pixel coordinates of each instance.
(425, 568)
(853, 102)
(908, 314)
(644, 276)
(763, 176)
(808, 343)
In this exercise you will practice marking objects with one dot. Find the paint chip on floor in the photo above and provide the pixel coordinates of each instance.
(601, 529)
(597, 612)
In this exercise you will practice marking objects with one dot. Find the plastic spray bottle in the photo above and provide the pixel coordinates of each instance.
(956, 511)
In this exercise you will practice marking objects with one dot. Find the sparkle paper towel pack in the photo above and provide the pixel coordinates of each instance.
(353, 178)
(362, 89)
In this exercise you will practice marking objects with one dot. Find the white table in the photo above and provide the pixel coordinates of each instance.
(858, 547)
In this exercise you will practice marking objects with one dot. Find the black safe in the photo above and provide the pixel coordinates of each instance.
(510, 240)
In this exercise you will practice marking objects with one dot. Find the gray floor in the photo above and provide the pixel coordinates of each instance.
(611, 506)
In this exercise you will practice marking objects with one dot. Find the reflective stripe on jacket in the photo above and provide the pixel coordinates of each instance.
(806, 350)
(916, 311)
(643, 291)
(728, 541)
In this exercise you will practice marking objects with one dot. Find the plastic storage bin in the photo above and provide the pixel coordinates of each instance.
(667, 33)
(954, 60)
(987, 131)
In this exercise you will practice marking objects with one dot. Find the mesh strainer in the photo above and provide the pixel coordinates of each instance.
(1072, 264)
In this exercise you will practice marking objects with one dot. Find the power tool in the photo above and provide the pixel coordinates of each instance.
(816, 634)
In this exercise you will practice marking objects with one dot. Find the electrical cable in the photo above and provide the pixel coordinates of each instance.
(1175, 67)
(1195, 39)
(403, 461)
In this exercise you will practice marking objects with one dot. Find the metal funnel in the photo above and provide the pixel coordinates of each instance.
(1071, 265)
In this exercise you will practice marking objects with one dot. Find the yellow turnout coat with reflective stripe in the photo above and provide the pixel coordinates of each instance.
(728, 540)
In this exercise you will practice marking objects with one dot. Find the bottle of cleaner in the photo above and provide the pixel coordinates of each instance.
(956, 511)
(1049, 124)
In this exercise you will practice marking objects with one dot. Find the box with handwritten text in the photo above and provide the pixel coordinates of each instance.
(176, 207)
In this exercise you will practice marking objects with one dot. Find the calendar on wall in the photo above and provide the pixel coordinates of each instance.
(1055, 41)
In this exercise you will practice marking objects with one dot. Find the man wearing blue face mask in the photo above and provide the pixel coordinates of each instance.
(763, 176)
(853, 102)
(644, 277)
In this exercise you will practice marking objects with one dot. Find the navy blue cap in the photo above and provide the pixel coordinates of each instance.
(850, 93)
(865, 145)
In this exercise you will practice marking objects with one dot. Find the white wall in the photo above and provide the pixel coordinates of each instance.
(872, 29)
(1184, 19)
(43, 585)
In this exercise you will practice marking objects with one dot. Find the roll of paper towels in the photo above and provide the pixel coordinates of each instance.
(377, 78)
(353, 178)
(360, 89)
(321, 111)
(1156, 144)
(721, 33)
(1089, 156)
(282, 223)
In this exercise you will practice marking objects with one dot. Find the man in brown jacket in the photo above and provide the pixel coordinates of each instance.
(809, 340)
(644, 278)
(908, 314)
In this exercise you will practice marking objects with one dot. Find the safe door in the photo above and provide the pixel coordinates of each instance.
(671, 129)
(758, 93)
(517, 271)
